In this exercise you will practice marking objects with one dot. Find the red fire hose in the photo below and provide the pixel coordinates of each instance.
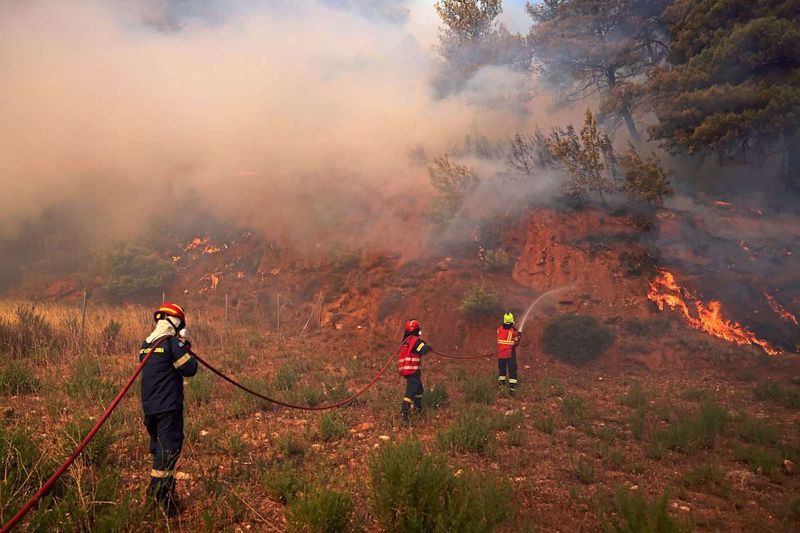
(89, 436)
(290, 405)
(464, 357)
(74, 455)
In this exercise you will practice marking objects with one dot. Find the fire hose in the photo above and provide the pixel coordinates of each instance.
(45, 488)
(294, 406)
(89, 436)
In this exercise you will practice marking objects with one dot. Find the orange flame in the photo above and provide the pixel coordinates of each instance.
(665, 291)
(780, 310)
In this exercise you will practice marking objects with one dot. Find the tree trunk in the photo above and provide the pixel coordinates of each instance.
(791, 166)
(634, 133)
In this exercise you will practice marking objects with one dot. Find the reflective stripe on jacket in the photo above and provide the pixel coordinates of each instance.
(410, 355)
(507, 339)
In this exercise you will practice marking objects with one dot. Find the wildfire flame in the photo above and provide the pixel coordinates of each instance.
(780, 310)
(202, 243)
(665, 291)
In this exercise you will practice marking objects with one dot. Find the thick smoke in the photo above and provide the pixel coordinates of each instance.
(264, 111)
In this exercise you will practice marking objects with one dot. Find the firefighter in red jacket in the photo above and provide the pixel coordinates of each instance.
(507, 342)
(409, 366)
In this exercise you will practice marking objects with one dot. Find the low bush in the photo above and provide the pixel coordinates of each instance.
(87, 382)
(17, 378)
(545, 424)
(413, 491)
(29, 334)
(584, 471)
(282, 481)
(635, 397)
(696, 431)
(693, 394)
(497, 260)
(757, 431)
(320, 510)
(200, 388)
(638, 421)
(773, 392)
(633, 511)
(291, 444)
(551, 386)
(480, 302)
(708, 478)
(435, 396)
(574, 409)
(471, 431)
(332, 427)
(576, 339)
(482, 390)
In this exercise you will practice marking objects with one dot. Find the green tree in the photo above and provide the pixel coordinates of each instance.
(132, 271)
(733, 81)
(645, 179)
(454, 183)
(584, 48)
(588, 158)
(472, 38)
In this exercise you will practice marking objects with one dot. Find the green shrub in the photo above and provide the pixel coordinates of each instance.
(471, 431)
(638, 419)
(634, 512)
(292, 444)
(23, 470)
(692, 432)
(482, 390)
(757, 431)
(709, 478)
(584, 471)
(332, 427)
(773, 392)
(286, 377)
(510, 420)
(693, 394)
(453, 184)
(435, 396)
(87, 382)
(282, 481)
(201, 388)
(574, 409)
(308, 395)
(98, 450)
(496, 260)
(29, 334)
(320, 510)
(635, 397)
(479, 302)
(412, 491)
(133, 271)
(545, 424)
(17, 378)
(576, 339)
(551, 386)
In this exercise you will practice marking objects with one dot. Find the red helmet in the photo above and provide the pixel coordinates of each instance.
(412, 325)
(170, 309)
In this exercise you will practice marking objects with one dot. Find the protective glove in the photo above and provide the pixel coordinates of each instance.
(183, 337)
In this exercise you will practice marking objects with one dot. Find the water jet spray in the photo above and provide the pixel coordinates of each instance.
(540, 298)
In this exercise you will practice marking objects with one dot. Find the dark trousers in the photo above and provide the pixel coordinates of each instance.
(508, 366)
(166, 441)
(414, 391)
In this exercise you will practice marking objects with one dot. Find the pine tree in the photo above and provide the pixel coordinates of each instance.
(734, 82)
(589, 47)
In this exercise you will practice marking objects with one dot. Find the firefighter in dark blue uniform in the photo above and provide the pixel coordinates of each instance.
(162, 400)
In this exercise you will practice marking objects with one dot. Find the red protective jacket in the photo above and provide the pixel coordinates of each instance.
(506, 340)
(410, 355)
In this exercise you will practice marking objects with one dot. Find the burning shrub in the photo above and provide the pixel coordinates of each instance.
(479, 302)
(577, 339)
(320, 510)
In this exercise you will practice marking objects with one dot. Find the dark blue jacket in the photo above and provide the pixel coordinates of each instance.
(162, 375)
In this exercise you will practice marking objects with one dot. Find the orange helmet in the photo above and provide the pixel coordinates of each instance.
(171, 309)
(412, 325)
